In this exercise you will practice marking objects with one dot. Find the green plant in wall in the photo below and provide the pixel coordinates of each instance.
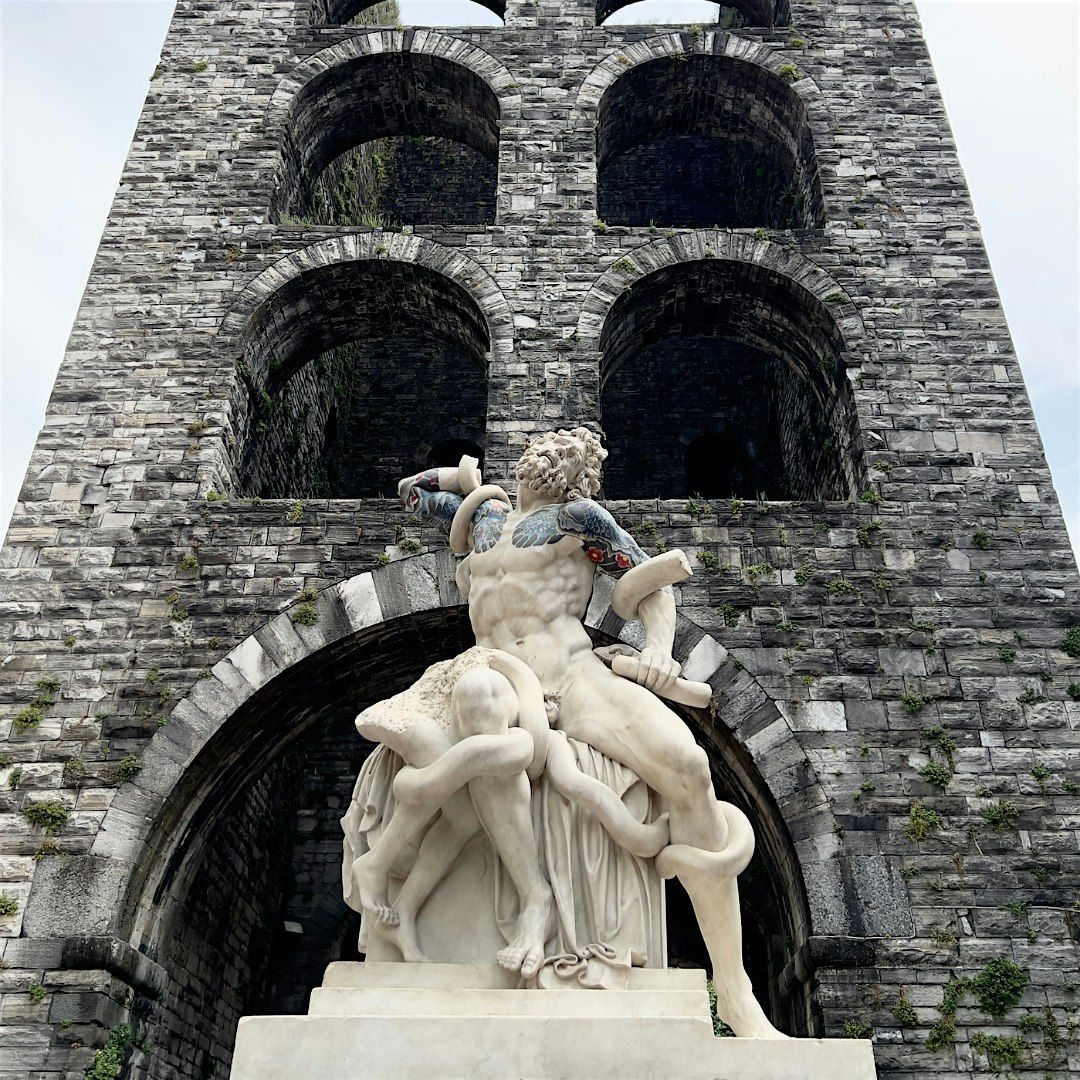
(999, 987)
(759, 572)
(903, 1012)
(9, 906)
(1000, 815)
(1070, 643)
(868, 533)
(109, 1060)
(709, 562)
(913, 703)
(47, 849)
(1001, 1051)
(937, 774)
(841, 587)
(858, 1028)
(128, 768)
(306, 614)
(48, 815)
(922, 822)
(36, 993)
(720, 1029)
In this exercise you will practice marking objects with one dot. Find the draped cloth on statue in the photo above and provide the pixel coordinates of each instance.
(609, 902)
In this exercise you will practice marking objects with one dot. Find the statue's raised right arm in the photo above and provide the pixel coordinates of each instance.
(435, 494)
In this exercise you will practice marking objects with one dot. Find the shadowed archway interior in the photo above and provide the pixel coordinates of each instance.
(388, 139)
(351, 375)
(723, 379)
(239, 897)
(706, 141)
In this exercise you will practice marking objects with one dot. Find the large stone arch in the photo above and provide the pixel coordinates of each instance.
(773, 73)
(718, 335)
(702, 244)
(290, 331)
(391, 619)
(767, 733)
(419, 81)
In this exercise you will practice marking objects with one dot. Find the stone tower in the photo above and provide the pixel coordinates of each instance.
(341, 251)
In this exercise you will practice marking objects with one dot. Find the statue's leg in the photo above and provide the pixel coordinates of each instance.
(423, 743)
(503, 805)
(439, 850)
(371, 871)
(484, 704)
(629, 724)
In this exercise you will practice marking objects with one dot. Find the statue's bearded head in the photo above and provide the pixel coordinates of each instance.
(563, 464)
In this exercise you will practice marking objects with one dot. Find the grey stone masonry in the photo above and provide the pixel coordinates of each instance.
(896, 654)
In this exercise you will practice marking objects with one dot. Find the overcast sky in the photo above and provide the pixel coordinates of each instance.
(73, 74)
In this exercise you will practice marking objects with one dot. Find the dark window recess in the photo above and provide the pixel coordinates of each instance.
(723, 379)
(352, 374)
(448, 454)
(705, 141)
(387, 140)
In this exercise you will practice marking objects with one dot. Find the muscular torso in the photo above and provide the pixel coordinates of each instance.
(530, 600)
(531, 572)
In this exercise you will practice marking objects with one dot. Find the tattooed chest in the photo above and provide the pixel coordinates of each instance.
(538, 529)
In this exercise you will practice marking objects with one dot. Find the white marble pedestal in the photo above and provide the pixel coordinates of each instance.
(392, 1021)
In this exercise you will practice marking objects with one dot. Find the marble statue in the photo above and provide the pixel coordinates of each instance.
(563, 759)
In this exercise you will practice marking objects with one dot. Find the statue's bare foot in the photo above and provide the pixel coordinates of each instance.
(371, 884)
(525, 954)
(746, 1018)
(388, 916)
(402, 935)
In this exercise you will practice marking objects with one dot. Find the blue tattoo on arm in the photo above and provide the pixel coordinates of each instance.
(607, 544)
(422, 496)
(612, 548)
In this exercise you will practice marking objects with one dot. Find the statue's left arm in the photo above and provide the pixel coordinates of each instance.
(615, 551)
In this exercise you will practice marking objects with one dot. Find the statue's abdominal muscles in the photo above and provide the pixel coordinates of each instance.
(530, 602)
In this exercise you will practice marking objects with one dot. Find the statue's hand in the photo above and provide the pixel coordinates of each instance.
(657, 671)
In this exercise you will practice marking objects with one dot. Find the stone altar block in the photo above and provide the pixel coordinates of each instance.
(393, 1021)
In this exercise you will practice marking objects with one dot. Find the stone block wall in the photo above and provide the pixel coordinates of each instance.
(908, 626)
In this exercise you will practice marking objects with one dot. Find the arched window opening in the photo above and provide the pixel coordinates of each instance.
(448, 453)
(406, 13)
(722, 379)
(350, 373)
(729, 14)
(706, 141)
(240, 897)
(391, 139)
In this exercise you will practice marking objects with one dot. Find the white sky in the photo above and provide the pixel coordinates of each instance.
(73, 75)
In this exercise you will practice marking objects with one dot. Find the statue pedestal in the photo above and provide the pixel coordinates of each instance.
(392, 1021)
